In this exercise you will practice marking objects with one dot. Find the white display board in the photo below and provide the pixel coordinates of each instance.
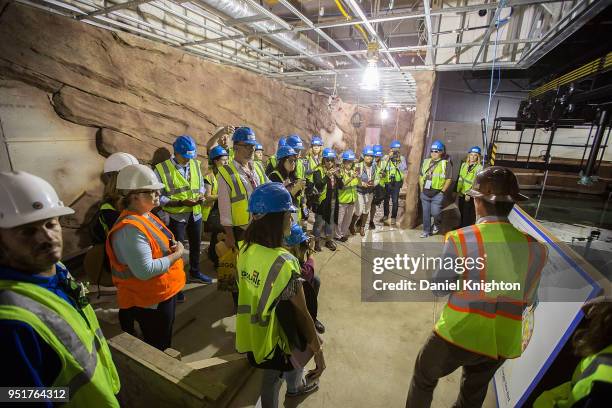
(554, 321)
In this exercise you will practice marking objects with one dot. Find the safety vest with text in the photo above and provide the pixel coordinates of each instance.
(177, 188)
(87, 367)
(132, 291)
(436, 172)
(491, 323)
(596, 367)
(263, 274)
(348, 193)
(467, 174)
(239, 199)
(214, 190)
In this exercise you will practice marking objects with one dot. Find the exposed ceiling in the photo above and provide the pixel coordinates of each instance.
(323, 44)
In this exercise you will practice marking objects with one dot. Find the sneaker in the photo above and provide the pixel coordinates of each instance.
(393, 221)
(317, 246)
(199, 277)
(306, 388)
(343, 238)
(180, 297)
(362, 230)
(319, 326)
(424, 235)
(331, 245)
(372, 225)
(387, 222)
(435, 230)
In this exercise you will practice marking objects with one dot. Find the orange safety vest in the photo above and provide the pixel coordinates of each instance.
(491, 323)
(132, 291)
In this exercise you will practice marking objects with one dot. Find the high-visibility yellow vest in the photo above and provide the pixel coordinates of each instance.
(438, 173)
(300, 169)
(103, 207)
(87, 367)
(263, 274)
(490, 323)
(238, 194)
(313, 163)
(214, 190)
(272, 161)
(260, 172)
(467, 176)
(392, 171)
(596, 367)
(230, 153)
(348, 193)
(177, 188)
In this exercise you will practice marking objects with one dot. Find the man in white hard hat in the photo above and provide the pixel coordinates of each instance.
(49, 334)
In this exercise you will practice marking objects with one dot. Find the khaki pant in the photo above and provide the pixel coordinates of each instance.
(345, 214)
(438, 358)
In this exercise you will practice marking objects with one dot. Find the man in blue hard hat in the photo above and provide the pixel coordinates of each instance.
(221, 138)
(434, 180)
(237, 180)
(182, 197)
(393, 167)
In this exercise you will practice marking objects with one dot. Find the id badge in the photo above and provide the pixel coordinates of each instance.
(427, 185)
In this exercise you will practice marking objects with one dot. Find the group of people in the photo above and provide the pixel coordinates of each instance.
(50, 335)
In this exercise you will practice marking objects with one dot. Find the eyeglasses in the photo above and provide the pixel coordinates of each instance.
(246, 146)
(435, 151)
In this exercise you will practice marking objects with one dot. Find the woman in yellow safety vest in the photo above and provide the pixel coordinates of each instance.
(286, 173)
(465, 180)
(434, 180)
(347, 195)
(591, 383)
(327, 182)
(218, 157)
(146, 260)
(272, 317)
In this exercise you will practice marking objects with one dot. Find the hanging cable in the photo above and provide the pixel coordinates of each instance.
(498, 25)
(350, 18)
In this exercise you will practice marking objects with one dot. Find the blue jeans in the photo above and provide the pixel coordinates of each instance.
(392, 192)
(432, 206)
(272, 382)
(194, 234)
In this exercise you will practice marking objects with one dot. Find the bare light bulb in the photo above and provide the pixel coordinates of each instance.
(370, 80)
(384, 114)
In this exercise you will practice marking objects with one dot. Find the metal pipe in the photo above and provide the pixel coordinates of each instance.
(543, 188)
(430, 53)
(599, 133)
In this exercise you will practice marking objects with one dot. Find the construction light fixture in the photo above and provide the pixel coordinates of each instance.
(371, 79)
(384, 114)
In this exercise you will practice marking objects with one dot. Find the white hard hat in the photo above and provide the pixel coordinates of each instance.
(138, 177)
(117, 161)
(25, 198)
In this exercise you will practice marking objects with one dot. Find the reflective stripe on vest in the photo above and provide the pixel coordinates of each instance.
(214, 190)
(467, 176)
(132, 291)
(300, 169)
(162, 245)
(260, 171)
(105, 207)
(177, 188)
(263, 274)
(438, 174)
(490, 323)
(348, 193)
(238, 194)
(90, 376)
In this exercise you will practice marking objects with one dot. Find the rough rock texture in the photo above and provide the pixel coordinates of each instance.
(138, 95)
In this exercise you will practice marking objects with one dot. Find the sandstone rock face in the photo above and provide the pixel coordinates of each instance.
(131, 94)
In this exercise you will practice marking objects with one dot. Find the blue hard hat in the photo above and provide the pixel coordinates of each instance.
(329, 153)
(285, 151)
(348, 155)
(270, 198)
(259, 146)
(437, 145)
(281, 142)
(244, 135)
(295, 142)
(367, 151)
(297, 236)
(475, 149)
(395, 144)
(185, 146)
(378, 153)
(377, 148)
(217, 152)
(316, 141)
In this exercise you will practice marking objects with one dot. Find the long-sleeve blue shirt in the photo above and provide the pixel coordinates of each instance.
(32, 362)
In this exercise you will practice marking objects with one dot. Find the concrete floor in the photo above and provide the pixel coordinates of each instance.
(370, 348)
